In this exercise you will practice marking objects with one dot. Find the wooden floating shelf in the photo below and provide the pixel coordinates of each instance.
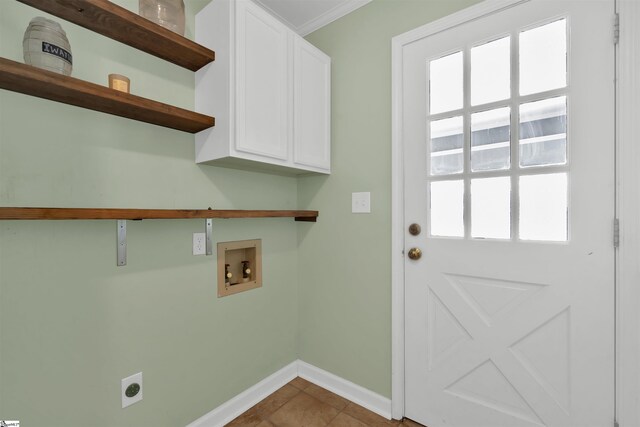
(34, 81)
(139, 214)
(111, 20)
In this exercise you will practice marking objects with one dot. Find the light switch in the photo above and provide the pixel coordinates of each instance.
(361, 202)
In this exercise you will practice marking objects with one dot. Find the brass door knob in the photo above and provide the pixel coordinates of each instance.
(415, 253)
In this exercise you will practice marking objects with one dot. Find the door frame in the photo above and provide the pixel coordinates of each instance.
(627, 142)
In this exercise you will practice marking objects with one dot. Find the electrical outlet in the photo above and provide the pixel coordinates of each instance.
(361, 202)
(199, 244)
(131, 389)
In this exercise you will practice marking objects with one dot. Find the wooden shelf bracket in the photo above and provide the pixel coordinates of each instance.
(121, 232)
(208, 229)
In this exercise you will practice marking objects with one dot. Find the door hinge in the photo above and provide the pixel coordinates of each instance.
(616, 233)
(616, 28)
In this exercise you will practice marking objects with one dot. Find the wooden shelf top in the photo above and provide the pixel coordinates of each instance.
(111, 20)
(10, 213)
(34, 81)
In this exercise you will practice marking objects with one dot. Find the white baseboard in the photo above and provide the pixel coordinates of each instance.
(350, 391)
(229, 410)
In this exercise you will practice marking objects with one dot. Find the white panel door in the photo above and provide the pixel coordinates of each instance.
(262, 82)
(312, 106)
(508, 129)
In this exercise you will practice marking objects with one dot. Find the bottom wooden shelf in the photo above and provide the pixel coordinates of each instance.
(20, 213)
(122, 215)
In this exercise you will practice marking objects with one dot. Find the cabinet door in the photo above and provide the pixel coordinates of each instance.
(262, 90)
(312, 106)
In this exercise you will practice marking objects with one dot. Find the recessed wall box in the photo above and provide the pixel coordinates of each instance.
(239, 266)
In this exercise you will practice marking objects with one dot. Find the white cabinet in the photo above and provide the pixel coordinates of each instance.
(262, 83)
(312, 106)
(269, 90)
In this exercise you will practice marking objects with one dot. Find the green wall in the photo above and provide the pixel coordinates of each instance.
(72, 324)
(344, 260)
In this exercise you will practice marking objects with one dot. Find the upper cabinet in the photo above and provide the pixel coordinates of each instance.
(312, 106)
(269, 90)
(262, 88)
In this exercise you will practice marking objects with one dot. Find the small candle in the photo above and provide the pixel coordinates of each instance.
(119, 82)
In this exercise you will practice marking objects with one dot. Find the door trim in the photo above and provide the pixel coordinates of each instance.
(627, 203)
(628, 212)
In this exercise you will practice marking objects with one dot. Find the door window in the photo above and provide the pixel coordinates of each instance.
(497, 138)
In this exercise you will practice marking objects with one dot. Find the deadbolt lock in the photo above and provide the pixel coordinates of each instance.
(415, 253)
(414, 229)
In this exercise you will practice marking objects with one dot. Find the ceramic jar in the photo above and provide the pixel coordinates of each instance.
(45, 45)
(166, 13)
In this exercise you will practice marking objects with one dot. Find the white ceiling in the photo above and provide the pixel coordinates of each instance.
(306, 16)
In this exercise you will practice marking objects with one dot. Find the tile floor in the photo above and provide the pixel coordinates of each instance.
(303, 404)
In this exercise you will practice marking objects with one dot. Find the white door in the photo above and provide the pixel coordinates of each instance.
(508, 129)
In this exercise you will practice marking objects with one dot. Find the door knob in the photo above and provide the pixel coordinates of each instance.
(415, 253)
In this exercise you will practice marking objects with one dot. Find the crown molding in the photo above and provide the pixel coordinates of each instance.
(331, 15)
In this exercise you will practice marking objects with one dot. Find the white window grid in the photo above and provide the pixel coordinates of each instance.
(515, 171)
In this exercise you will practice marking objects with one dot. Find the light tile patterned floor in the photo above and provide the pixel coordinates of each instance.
(302, 404)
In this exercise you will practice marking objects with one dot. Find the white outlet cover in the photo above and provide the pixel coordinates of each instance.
(199, 244)
(361, 202)
(126, 382)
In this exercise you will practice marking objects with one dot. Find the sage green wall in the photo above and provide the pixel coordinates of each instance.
(72, 324)
(344, 260)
